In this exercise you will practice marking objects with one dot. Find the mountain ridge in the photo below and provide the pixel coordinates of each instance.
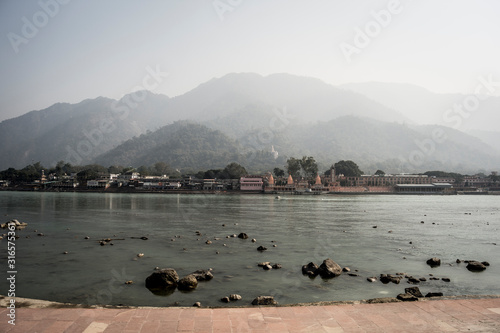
(254, 111)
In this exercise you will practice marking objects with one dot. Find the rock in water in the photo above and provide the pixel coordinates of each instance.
(243, 235)
(261, 248)
(163, 278)
(413, 280)
(187, 283)
(433, 294)
(476, 266)
(415, 291)
(433, 262)
(264, 300)
(310, 269)
(386, 278)
(203, 274)
(234, 297)
(329, 269)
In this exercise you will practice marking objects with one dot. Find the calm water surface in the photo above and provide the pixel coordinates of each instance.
(303, 228)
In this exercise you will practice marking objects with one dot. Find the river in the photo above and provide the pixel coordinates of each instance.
(370, 234)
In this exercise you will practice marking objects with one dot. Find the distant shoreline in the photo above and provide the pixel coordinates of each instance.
(236, 192)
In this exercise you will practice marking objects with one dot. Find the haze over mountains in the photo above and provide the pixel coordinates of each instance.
(239, 117)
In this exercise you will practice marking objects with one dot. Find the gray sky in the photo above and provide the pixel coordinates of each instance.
(84, 49)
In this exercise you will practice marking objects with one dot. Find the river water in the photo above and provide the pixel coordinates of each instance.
(303, 228)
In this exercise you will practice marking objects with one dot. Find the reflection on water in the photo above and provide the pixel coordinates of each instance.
(295, 229)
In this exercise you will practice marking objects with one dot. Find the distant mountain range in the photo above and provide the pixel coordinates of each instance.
(239, 117)
(462, 112)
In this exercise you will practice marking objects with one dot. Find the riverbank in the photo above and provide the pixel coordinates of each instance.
(237, 192)
(458, 315)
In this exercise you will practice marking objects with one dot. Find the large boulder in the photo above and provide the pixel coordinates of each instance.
(475, 266)
(187, 283)
(264, 300)
(415, 291)
(203, 274)
(162, 278)
(329, 269)
(243, 235)
(310, 269)
(434, 262)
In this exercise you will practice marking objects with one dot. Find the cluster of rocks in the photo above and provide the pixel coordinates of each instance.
(413, 294)
(106, 241)
(264, 300)
(327, 270)
(396, 278)
(232, 297)
(14, 224)
(166, 280)
(266, 265)
(472, 265)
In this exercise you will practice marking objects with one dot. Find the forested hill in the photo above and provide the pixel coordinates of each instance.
(187, 145)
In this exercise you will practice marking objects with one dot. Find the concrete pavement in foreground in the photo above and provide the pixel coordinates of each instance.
(443, 315)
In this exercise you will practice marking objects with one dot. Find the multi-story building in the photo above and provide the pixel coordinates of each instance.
(251, 183)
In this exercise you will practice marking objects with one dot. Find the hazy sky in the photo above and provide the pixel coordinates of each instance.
(69, 50)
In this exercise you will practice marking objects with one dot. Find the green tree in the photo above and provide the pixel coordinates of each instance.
(279, 172)
(86, 175)
(234, 171)
(293, 167)
(10, 174)
(347, 168)
(212, 174)
(309, 166)
(115, 169)
(379, 173)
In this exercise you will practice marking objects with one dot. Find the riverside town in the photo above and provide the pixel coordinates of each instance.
(300, 176)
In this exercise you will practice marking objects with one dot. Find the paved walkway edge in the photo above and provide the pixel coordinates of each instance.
(453, 314)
